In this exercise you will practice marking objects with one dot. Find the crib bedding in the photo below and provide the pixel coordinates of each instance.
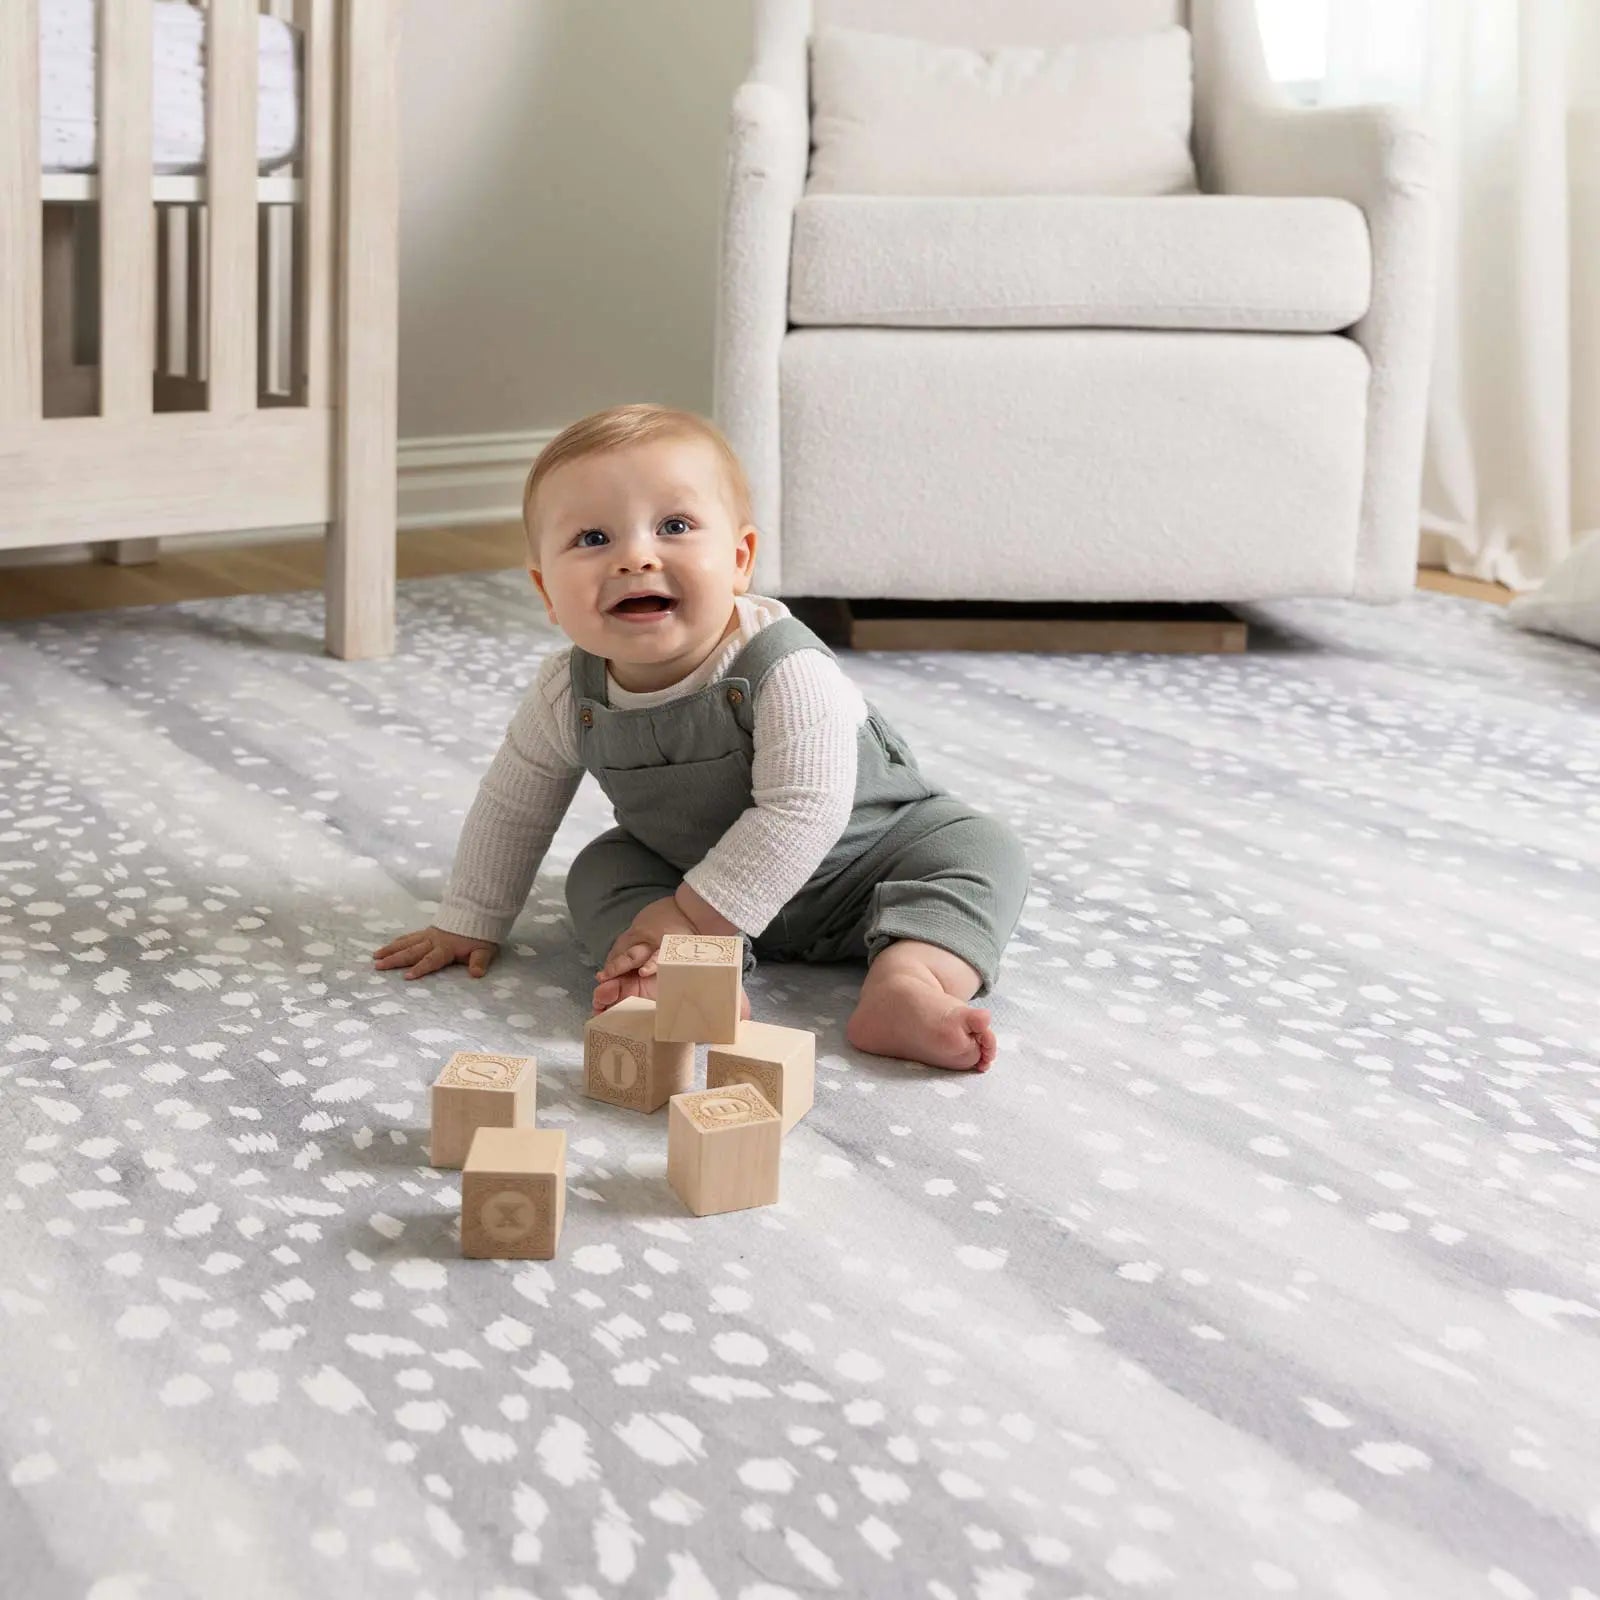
(67, 79)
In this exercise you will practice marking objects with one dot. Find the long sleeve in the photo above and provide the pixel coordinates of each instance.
(803, 783)
(518, 807)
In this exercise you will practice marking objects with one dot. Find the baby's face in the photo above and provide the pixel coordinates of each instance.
(653, 516)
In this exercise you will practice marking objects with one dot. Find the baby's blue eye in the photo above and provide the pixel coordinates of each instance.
(670, 525)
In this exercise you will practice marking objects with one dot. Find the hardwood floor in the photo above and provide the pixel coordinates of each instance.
(194, 574)
(1469, 588)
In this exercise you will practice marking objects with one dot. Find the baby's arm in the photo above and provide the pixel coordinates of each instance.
(518, 808)
(705, 916)
(803, 784)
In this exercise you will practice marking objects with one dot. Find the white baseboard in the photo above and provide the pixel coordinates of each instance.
(448, 482)
(470, 477)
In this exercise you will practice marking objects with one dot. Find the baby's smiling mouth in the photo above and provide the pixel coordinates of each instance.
(645, 602)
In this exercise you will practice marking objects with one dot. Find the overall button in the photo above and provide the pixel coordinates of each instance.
(587, 717)
(735, 696)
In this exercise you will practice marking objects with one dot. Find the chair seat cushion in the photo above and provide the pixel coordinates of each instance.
(1237, 262)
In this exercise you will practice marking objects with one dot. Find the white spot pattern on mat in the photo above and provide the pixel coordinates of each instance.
(1260, 1264)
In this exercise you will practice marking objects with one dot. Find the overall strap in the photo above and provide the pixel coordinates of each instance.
(588, 676)
(752, 663)
(770, 646)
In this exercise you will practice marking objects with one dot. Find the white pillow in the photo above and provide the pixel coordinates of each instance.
(903, 116)
(1568, 601)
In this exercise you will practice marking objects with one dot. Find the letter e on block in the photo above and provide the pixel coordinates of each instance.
(723, 1149)
(780, 1062)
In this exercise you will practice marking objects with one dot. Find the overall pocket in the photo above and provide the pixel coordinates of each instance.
(681, 809)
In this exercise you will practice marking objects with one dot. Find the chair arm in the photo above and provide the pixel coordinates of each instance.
(768, 155)
(769, 137)
(1250, 138)
(1367, 154)
(1381, 158)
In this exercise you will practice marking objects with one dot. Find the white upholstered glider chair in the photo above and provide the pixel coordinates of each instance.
(1210, 394)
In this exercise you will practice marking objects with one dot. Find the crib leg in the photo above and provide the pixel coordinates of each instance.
(126, 552)
(360, 579)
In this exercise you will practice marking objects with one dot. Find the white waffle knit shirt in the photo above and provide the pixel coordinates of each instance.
(803, 783)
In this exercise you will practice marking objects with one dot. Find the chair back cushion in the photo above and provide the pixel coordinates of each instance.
(988, 23)
(899, 115)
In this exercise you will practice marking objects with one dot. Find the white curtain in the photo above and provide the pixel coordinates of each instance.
(1512, 89)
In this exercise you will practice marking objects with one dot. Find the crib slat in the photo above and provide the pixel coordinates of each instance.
(194, 294)
(314, 287)
(166, 288)
(21, 228)
(231, 202)
(127, 216)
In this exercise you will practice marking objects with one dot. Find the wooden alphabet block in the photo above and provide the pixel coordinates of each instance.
(514, 1193)
(479, 1091)
(780, 1062)
(699, 979)
(624, 1062)
(723, 1149)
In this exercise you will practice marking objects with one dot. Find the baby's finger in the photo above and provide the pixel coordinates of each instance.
(395, 944)
(478, 963)
(404, 955)
(430, 963)
(623, 958)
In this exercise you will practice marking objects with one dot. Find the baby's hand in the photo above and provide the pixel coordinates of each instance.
(428, 949)
(634, 949)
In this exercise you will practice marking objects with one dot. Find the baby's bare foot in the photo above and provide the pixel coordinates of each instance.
(610, 990)
(914, 1021)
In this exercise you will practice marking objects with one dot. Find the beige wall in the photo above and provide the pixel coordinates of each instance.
(562, 167)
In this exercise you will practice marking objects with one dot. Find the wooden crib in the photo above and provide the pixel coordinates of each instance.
(212, 352)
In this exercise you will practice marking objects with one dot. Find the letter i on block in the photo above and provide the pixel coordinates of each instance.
(514, 1193)
(699, 978)
(624, 1062)
(723, 1149)
(479, 1091)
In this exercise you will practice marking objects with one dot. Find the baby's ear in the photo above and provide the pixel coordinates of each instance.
(538, 583)
(749, 538)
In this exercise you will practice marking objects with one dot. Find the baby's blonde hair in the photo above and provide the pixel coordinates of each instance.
(620, 426)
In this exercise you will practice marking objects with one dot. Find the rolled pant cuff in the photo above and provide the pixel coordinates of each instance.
(949, 934)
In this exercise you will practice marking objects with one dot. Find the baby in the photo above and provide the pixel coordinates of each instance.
(755, 791)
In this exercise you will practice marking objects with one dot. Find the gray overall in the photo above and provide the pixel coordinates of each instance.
(913, 862)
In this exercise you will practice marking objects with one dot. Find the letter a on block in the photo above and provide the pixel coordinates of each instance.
(479, 1091)
(699, 978)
